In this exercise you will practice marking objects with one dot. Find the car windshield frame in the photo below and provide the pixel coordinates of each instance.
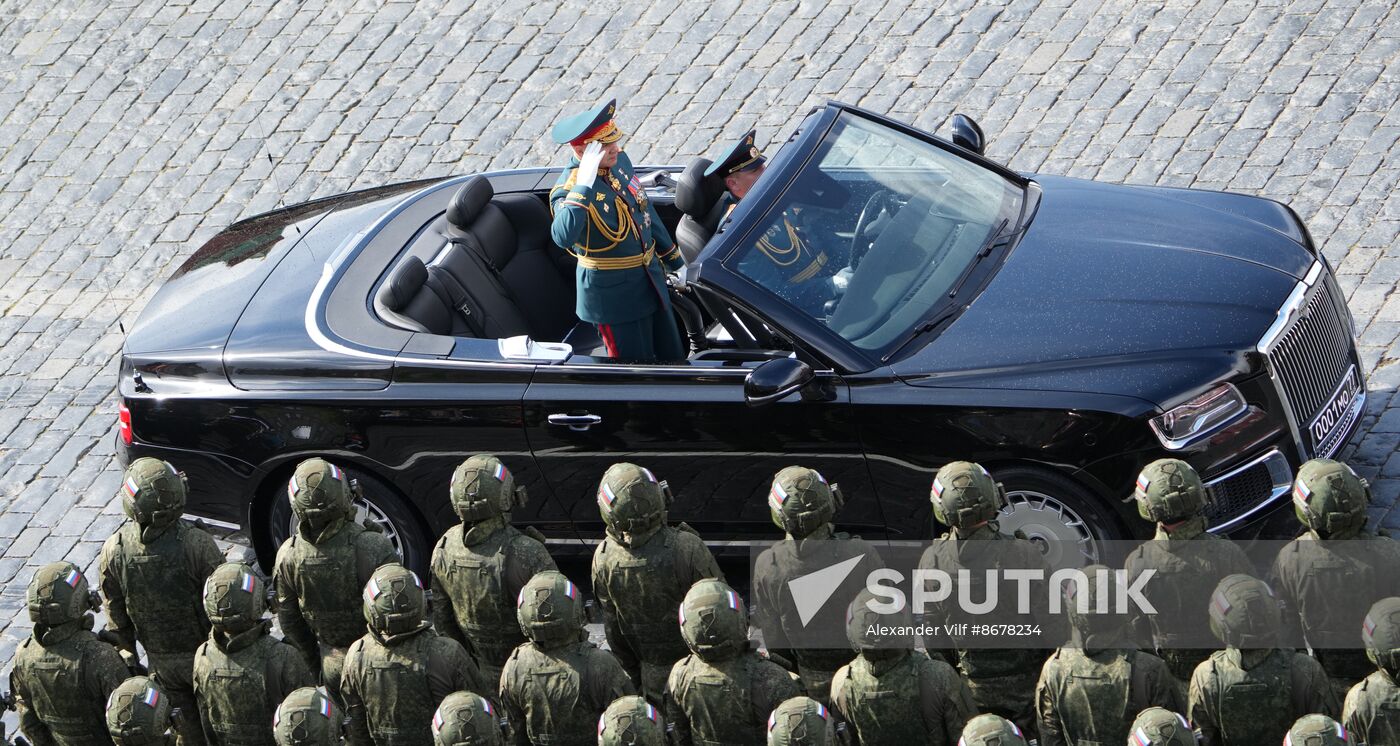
(716, 265)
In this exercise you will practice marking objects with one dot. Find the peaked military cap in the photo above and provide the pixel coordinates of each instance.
(594, 124)
(741, 156)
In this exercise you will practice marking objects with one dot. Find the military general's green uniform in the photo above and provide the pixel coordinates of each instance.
(622, 247)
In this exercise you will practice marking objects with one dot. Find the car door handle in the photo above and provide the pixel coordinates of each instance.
(575, 422)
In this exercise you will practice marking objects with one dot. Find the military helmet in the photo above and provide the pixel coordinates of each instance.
(320, 493)
(1244, 613)
(800, 501)
(991, 730)
(714, 620)
(632, 502)
(550, 610)
(1329, 498)
(153, 495)
(1317, 730)
(801, 721)
(138, 713)
(964, 495)
(871, 632)
(631, 721)
(467, 719)
(394, 601)
(1380, 633)
(482, 487)
(234, 598)
(1168, 490)
(1094, 627)
(306, 718)
(1157, 726)
(58, 594)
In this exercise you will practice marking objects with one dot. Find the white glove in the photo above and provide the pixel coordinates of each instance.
(588, 164)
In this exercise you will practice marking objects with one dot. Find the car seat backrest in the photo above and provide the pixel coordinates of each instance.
(407, 300)
(702, 203)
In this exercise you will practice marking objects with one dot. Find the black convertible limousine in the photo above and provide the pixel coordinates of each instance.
(1061, 332)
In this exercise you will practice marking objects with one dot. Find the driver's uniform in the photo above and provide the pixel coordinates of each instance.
(786, 262)
(623, 253)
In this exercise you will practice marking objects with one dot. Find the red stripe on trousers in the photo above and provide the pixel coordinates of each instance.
(611, 346)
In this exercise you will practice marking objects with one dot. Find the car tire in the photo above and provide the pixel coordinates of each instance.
(379, 503)
(1056, 513)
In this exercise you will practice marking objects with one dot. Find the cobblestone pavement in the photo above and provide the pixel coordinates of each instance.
(130, 132)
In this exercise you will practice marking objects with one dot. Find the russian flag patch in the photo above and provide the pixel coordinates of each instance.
(1301, 493)
(248, 582)
(1140, 738)
(733, 599)
(777, 496)
(570, 590)
(500, 472)
(437, 721)
(151, 699)
(1368, 630)
(1220, 604)
(131, 487)
(371, 590)
(937, 487)
(325, 708)
(335, 471)
(606, 496)
(1142, 482)
(72, 578)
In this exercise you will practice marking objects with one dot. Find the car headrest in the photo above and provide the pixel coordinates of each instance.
(403, 283)
(696, 194)
(468, 201)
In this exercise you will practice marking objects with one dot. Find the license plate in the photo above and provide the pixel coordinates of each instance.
(1336, 413)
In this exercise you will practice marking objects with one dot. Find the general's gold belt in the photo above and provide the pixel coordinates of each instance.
(620, 262)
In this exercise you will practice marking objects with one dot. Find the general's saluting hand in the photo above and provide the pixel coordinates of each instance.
(588, 164)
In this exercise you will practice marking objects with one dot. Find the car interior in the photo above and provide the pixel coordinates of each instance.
(487, 268)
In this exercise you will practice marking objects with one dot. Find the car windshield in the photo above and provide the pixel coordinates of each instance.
(875, 231)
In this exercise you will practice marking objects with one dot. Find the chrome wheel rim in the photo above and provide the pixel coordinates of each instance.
(365, 511)
(1059, 531)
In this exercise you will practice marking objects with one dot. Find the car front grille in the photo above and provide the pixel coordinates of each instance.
(1245, 489)
(1313, 361)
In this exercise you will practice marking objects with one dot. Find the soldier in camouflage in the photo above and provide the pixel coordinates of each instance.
(467, 719)
(991, 730)
(307, 718)
(892, 694)
(723, 692)
(801, 721)
(1090, 689)
(631, 721)
(401, 669)
(153, 570)
(966, 499)
(242, 673)
(1372, 708)
(1335, 551)
(480, 565)
(1158, 727)
(322, 567)
(1249, 692)
(555, 687)
(1318, 730)
(62, 674)
(641, 571)
(802, 504)
(139, 714)
(1187, 562)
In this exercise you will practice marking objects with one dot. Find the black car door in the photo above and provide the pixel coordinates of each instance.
(690, 424)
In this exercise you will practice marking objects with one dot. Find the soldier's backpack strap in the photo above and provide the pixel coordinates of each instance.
(533, 533)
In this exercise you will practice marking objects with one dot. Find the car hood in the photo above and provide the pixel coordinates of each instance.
(1135, 291)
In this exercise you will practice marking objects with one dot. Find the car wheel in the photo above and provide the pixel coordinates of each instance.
(1064, 519)
(379, 506)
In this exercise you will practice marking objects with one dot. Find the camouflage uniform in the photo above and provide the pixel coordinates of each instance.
(241, 673)
(1158, 727)
(480, 565)
(62, 674)
(1249, 692)
(321, 568)
(991, 730)
(307, 718)
(802, 504)
(1317, 730)
(467, 719)
(631, 721)
(641, 571)
(1002, 681)
(1334, 552)
(1090, 691)
(1372, 709)
(139, 714)
(723, 692)
(1188, 563)
(555, 687)
(397, 673)
(153, 570)
(801, 721)
(891, 693)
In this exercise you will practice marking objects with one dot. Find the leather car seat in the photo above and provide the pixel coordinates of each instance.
(702, 202)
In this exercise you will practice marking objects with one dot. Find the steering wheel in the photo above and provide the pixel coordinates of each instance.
(880, 202)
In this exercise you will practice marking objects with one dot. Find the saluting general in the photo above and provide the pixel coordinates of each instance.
(602, 217)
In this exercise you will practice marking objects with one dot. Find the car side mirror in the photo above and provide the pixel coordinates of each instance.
(967, 134)
(776, 379)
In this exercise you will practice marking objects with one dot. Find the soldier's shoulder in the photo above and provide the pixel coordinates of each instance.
(112, 546)
(1306, 663)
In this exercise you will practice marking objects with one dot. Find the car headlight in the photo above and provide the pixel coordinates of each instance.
(1204, 414)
